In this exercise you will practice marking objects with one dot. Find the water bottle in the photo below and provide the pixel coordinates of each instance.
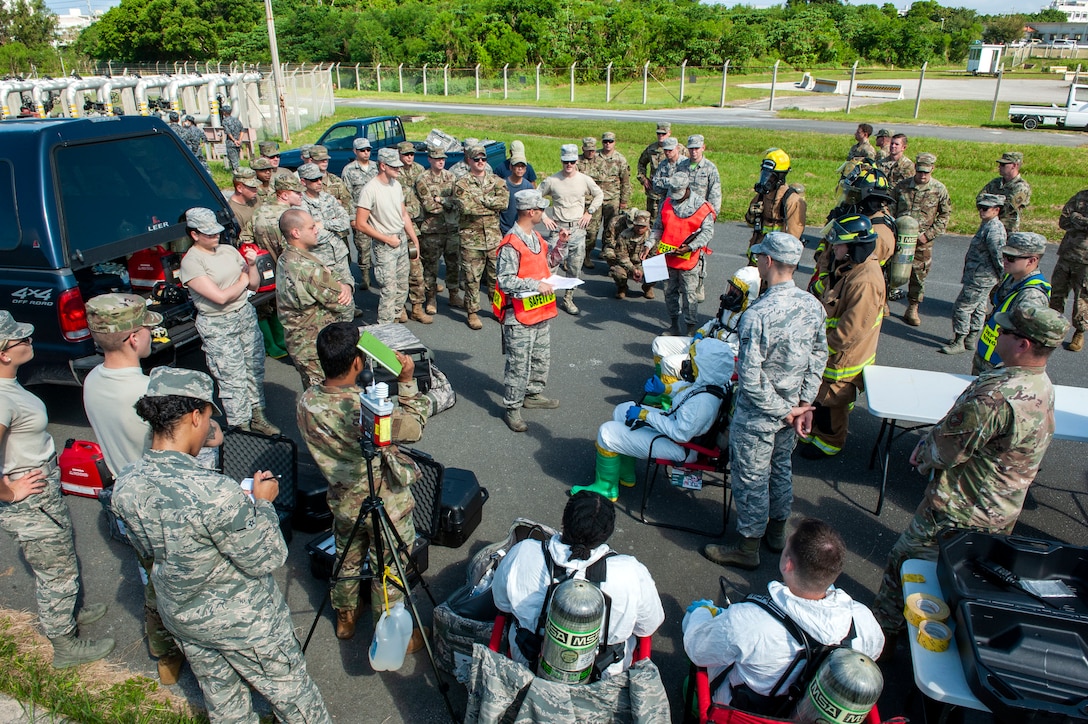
(391, 637)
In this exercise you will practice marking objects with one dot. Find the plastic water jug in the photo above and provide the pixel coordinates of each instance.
(391, 636)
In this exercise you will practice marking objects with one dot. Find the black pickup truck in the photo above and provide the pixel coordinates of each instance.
(79, 197)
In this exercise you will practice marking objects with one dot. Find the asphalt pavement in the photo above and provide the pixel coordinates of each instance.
(600, 359)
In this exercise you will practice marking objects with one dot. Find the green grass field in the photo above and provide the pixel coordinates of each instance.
(963, 167)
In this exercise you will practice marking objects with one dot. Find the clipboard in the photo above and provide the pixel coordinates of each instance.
(373, 348)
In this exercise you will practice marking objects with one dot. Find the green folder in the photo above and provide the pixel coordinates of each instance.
(377, 351)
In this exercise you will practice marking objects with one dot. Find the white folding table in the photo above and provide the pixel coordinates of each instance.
(900, 395)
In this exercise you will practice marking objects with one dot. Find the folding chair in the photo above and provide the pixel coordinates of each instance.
(710, 458)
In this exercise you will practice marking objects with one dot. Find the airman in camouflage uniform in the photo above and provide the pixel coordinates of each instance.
(461, 168)
(328, 420)
(438, 228)
(1071, 270)
(883, 140)
(417, 288)
(591, 164)
(1012, 186)
(329, 212)
(665, 170)
(780, 361)
(264, 170)
(862, 149)
(334, 185)
(215, 550)
(173, 124)
(984, 453)
(270, 150)
(309, 295)
(627, 263)
(705, 179)
(925, 199)
(243, 202)
(648, 161)
(193, 135)
(356, 175)
(615, 183)
(266, 219)
(896, 165)
(232, 130)
(480, 196)
(982, 269)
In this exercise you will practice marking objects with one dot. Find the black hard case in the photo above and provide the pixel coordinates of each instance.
(244, 452)
(1025, 660)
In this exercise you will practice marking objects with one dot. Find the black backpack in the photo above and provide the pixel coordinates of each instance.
(782, 700)
(531, 643)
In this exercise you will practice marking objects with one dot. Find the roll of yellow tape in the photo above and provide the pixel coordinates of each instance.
(922, 606)
(934, 636)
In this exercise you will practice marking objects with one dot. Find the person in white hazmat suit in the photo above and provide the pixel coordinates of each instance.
(670, 352)
(754, 648)
(636, 432)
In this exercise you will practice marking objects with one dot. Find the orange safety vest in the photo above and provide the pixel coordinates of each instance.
(676, 230)
(533, 309)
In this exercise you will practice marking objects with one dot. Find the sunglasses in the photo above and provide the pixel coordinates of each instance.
(1010, 258)
(570, 163)
(607, 141)
(480, 158)
(15, 343)
(408, 153)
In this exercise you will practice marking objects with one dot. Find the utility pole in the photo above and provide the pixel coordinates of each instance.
(278, 83)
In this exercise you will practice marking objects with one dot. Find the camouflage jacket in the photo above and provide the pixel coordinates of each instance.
(982, 265)
(1074, 220)
(214, 550)
(595, 168)
(928, 204)
(335, 185)
(650, 159)
(479, 201)
(328, 420)
(705, 181)
(266, 194)
(629, 249)
(435, 194)
(194, 139)
(355, 177)
(408, 177)
(781, 356)
(659, 185)
(616, 180)
(266, 227)
(864, 149)
(1017, 195)
(331, 249)
(988, 448)
(897, 171)
(231, 127)
(307, 296)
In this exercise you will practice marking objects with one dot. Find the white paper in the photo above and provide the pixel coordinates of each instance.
(654, 269)
(559, 282)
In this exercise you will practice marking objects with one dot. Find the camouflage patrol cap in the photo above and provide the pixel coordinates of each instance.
(225, 108)
(174, 116)
(406, 147)
(390, 157)
(883, 133)
(183, 383)
(119, 313)
(304, 150)
(664, 126)
(260, 164)
(1024, 243)
(287, 183)
(1041, 325)
(10, 329)
(203, 220)
(780, 246)
(568, 152)
(989, 200)
(435, 152)
(642, 218)
(309, 172)
(608, 136)
(319, 153)
(925, 162)
(669, 143)
(678, 184)
(1011, 157)
(527, 199)
(269, 148)
(246, 177)
(475, 150)
(360, 143)
(589, 143)
(696, 141)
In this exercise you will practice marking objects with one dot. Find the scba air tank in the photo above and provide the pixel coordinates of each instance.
(846, 686)
(573, 632)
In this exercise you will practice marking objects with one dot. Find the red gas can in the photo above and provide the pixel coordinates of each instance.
(149, 266)
(83, 469)
(266, 268)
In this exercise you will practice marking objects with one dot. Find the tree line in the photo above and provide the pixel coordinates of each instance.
(556, 33)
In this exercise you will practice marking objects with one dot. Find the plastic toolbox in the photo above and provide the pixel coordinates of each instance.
(1024, 652)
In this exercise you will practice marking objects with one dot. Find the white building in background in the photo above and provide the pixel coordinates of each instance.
(72, 23)
(1075, 10)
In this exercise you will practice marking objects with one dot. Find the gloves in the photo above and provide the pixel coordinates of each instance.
(704, 602)
(635, 415)
(654, 386)
(697, 336)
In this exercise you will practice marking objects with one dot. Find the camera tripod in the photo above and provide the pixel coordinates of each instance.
(385, 537)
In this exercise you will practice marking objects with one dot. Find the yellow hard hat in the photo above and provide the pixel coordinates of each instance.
(778, 157)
